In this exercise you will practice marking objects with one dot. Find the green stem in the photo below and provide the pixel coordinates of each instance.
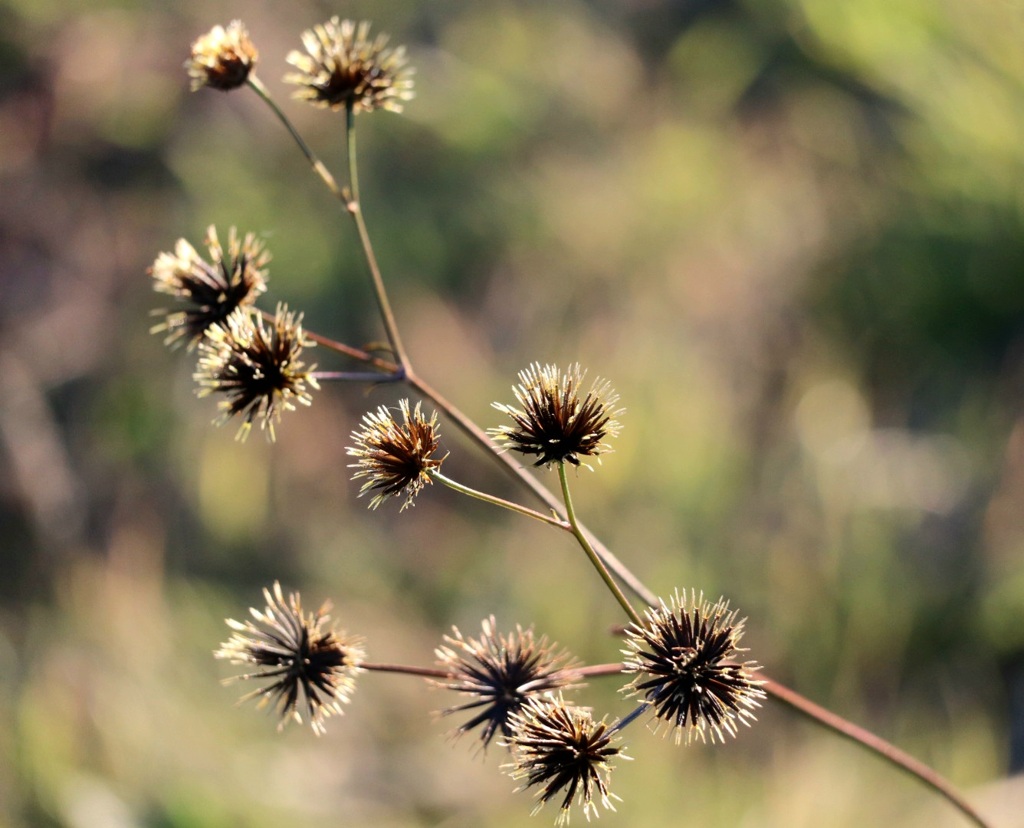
(318, 167)
(497, 501)
(356, 211)
(595, 559)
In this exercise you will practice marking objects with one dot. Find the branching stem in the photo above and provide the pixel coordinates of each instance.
(595, 559)
(497, 501)
(354, 208)
(602, 558)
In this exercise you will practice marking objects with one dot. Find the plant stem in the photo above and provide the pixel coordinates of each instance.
(425, 672)
(497, 501)
(837, 724)
(865, 738)
(355, 376)
(595, 559)
(384, 365)
(356, 211)
(318, 167)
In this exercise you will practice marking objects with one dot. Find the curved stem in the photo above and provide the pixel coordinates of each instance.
(595, 559)
(497, 501)
(837, 724)
(865, 738)
(356, 211)
(318, 167)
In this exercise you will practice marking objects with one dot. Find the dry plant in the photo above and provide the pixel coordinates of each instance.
(681, 661)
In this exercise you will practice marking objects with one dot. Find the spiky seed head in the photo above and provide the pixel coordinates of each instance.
(309, 666)
(684, 658)
(500, 673)
(209, 290)
(222, 58)
(555, 421)
(561, 749)
(343, 67)
(395, 454)
(257, 369)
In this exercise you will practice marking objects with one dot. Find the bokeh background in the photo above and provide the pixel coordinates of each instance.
(790, 232)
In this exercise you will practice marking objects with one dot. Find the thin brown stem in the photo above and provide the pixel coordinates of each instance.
(865, 738)
(837, 724)
(372, 377)
(384, 365)
(424, 672)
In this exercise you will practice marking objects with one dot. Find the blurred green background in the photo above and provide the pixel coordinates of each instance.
(791, 234)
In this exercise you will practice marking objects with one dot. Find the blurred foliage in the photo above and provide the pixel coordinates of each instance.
(790, 232)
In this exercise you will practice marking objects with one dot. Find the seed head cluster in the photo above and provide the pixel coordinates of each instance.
(395, 457)
(257, 369)
(553, 423)
(211, 290)
(310, 669)
(500, 673)
(561, 749)
(684, 660)
(222, 58)
(343, 67)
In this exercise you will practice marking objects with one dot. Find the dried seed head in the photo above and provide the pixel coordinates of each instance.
(258, 370)
(210, 290)
(222, 58)
(396, 458)
(500, 674)
(560, 747)
(684, 660)
(311, 670)
(554, 423)
(342, 67)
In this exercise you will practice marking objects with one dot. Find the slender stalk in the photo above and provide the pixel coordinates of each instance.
(865, 738)
(837, 724)
(497, 501)
(355, 376)
(595, 559)
(386, 367)
(356, 353)
(318, 167)
(425, 672)
(356, 211)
